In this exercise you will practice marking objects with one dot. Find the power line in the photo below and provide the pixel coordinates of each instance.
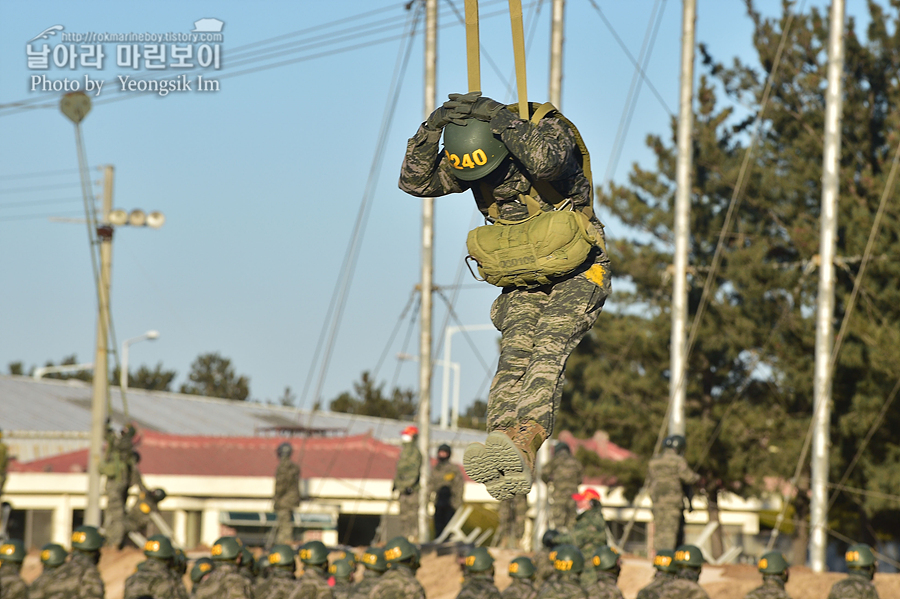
(38, 216)
(39, 202)
(38, 188)
(65, 171)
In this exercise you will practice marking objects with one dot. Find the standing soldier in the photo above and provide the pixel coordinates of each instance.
(399, 582)
(225, 582)
(568, 563)
(527, 176)
(689, 562)
(774, 569)
(542, 562)
(607, 565)
(522, 573)
(858, 584)
(563, 473)
(200, 572)
(12, 554)
(280, 581)
(446, 489)
(665, 573)
(154, 577)
(589, 532)
(52, 557)
(669, 476)
(479, 581)
(406, 482)
(342, 570)
(375, 566)
(512, 513)
(287, 494)
(79, 577)
(313, 583)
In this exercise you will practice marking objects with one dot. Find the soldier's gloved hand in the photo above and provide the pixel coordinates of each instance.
(408, 491)
(441, 117)
(474, 106)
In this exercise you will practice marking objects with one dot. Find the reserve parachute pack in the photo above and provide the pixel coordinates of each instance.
(553, 241)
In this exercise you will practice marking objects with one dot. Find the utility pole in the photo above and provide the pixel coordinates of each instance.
(683, 168)
(101, 368)
(825, 305)
(427, 282)
(556, 51)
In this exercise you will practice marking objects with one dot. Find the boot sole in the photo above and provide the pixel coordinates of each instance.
(499, 465)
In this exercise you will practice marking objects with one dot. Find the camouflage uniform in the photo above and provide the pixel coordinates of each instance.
(312, 585)
(563, 586)
(478, 586)
(772, 588)
(38, 588)
(406, 481)
(363, 588)
(224, 582)
(399, 582)
(11, 584)
(605, 587)
(544, 569)
(684, 587)
(564, 472)
(857, 585)
(4, 464)
(153, 578)
(287, 498)
(654, 589)
(122, 473)
(588, 534)
(668, 471)
(446, 487)
(341, 588)
(279, 584)
(138, 517)
(77, 579)
(512, 513)
(520, 588)
(540, 326)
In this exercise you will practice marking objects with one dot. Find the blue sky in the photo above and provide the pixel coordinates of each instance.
(261, 181)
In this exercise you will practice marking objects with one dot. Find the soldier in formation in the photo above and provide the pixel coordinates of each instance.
(374, 566)
(589, 531)
(399, 582)
(313, 583)
(247, 568)
(521, 170)
(689, 561)
(156, 577)
(200, 572)
(342, 570)
(521, 573)
(121, 469)
(479, 579)
(138, 518)
(12, 554)
(287, 494)
(568, 562)
(52, 557)
(543, 565)
(666, 570)
(79, 578)
(511, 515)
(858, 585)
(445, 489)
(774, 569)
(280, 580)
(225, 581)
(406, 482)
(563, 473)
(607, 566)
(669, 476)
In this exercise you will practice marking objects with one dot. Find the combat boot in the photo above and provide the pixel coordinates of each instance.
(504, 464)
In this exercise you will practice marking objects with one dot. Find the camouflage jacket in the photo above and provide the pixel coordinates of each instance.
(37, 589)
(855, 586)
(681, 588)
(564, 472)
(363, 587)
(312, 585)
(563, 586)
(653, 590)
(520, 588)
(589, 532)
(11, 584)
(772, 588)
(605, 587)
(667, 473)
(408, 467)
(446, 485)
(279, 584)
(77, 579)
(152, 578)
(478, 586)
(399, 582)
(544, 569)
(287, 484)
(341, 588)
(224, 582)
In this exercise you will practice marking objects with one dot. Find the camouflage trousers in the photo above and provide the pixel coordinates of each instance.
(409, 514)
(668, 526)
(540, 328)
(284, 526)
(114, 520)
(511, 528)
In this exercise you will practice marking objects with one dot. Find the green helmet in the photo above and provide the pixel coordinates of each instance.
(373, 559)
(399, 549)
(549, 540)
(561, 447)
(86, 538)
(567, 558)
(202, 567)
(179, 564)
(343, 568)
(12, 550)
(472, 149)
(282, 556)
(688, 556)
(664, 561)
(313, 553)
(248, 561)
(53, 555)
(226, 549)
(676, 442)
(521, 567)
(479, 559)
(859, 556)
(606, 558)
(772, 562)
(160, 547)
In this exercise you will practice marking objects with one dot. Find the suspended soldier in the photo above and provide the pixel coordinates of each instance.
(287, 494)
(79, 578)
(313, 583)
(563, 473)
(607, 566)
(445, 488)
(399, 582)
(858, 584)
(52, 557)
(568, 562)
(511, 527)
(689, 562)
(406, 482)
(545, 248)
(375, 566)
(774, 569)
(669, 476)
(12, 554)
(225, 582)
(154, 577)
(280, 580)
(521, 573)
(665, 573)
(479, 581)
(121, 469)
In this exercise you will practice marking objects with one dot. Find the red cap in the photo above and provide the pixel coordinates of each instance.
(410, 430)
(588, 494)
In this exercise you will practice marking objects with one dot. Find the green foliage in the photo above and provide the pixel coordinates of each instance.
(475, 416)
(749, 381)
(157, 379)
(213, 376)
(16, 368)
(81, 375)
(369, 399)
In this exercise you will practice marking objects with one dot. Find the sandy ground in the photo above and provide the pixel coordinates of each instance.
(441, 578)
